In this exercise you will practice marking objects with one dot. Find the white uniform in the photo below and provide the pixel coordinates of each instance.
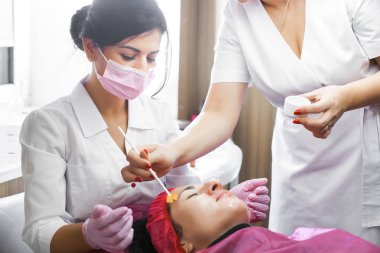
(70, 162)
(371, 168)
(315, 182)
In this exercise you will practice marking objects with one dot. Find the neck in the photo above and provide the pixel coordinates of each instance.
(212, 240)
(107, 104)
(277, 4)
(229, 232)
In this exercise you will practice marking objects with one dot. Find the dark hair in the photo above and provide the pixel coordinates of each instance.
(176, 226)
(107, 22)
(141, 242)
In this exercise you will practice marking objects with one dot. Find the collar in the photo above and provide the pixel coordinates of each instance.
(88, 115)
(142, 113)
(228, 233)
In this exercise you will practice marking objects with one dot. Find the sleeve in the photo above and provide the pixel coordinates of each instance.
(229, 62)
(43, 170)
(365, 15)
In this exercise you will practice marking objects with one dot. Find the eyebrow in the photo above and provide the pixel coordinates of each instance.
(187, 188)
(137, 50)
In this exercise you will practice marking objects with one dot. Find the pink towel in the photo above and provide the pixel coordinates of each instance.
(261, 240)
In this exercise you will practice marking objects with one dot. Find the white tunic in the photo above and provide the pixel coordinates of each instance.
(315, 182)
(70, 162)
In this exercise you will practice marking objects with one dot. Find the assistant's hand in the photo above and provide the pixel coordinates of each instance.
(330, 102)
(158, 157)
(107, 229)
(255, 194)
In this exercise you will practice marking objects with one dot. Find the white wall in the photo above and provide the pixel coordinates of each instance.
(18, 38)
(172, 10)
(56, 66)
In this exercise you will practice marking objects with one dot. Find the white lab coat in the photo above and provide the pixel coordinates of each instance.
(70, 162)
(371, 168)
(315, 182)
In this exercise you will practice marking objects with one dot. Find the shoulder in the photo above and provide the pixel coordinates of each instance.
(363, 9)
(49, 115)
(55, 108)
(352, 6)
(234, 8)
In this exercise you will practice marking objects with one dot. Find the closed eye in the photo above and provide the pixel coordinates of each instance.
(186, 189)
(151, 59)
(192, 195)
(126, 57)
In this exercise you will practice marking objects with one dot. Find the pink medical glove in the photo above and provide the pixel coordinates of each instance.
(255, 194)
(107, 229)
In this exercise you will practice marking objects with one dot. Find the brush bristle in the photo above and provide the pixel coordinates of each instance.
(172, 198)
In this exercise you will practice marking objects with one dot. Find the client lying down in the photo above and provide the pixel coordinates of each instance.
(206, 218)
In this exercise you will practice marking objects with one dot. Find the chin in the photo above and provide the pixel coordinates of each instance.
(233, 202)
(238, 208)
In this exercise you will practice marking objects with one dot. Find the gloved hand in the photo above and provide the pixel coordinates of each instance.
(255, 194)
(107, 229)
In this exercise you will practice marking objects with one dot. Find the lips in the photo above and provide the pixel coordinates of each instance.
(221, 194)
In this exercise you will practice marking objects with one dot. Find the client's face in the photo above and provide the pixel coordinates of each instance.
(205, 212)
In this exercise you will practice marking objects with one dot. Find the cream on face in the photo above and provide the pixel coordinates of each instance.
(206, 211)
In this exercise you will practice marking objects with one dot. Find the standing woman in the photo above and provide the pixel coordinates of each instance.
(292, 47)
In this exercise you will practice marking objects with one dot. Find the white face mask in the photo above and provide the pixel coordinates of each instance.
(124, 82)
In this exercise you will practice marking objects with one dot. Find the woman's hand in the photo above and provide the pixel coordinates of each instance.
(330, 103)
(108, 229)
(160, 158)
(255, 194)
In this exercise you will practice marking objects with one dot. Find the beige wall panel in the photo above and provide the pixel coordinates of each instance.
(11, 187)
(196, 54)
(253, 134)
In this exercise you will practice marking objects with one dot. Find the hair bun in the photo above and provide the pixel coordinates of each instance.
(77, 23)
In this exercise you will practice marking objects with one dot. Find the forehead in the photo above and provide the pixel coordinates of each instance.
(178, 190)
(181, 191)
(152, 37)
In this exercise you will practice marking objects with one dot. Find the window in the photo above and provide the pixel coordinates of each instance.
(6, 65)
(6, 41)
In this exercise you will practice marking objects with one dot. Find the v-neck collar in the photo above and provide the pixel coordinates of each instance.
(140, 112)
(88, 115)
(280, 37)
(140, 116)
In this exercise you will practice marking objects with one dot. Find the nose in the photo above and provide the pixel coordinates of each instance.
(211, 186)
(141, 65)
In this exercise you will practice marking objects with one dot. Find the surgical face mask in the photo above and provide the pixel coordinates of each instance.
(123, 82)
